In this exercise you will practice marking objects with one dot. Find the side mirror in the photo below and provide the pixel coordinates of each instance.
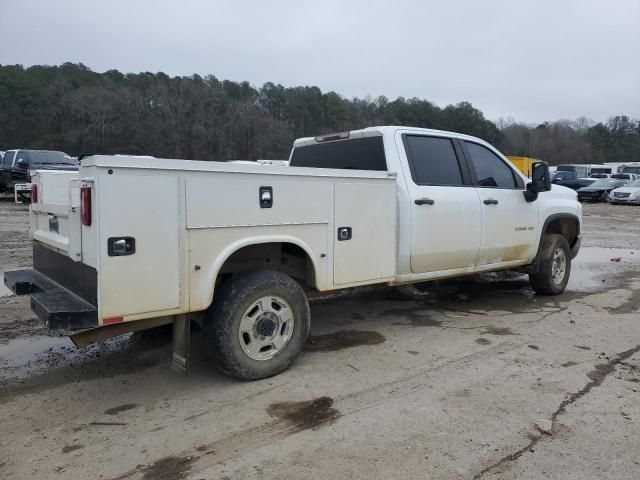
(540, 181)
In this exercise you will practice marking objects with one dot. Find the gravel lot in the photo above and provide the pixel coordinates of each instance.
(482, 379)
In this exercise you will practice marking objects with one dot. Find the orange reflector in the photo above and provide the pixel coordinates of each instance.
(112, 320)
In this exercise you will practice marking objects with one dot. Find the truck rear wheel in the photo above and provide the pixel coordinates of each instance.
(257, 325)
(555, 266)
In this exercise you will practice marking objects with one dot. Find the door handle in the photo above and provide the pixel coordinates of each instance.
(490, 201)
(424, 201)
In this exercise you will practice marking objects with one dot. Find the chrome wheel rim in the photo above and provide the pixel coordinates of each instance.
(266, 328)
(558, 266)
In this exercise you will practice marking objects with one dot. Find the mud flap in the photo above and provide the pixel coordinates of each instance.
(180, 343)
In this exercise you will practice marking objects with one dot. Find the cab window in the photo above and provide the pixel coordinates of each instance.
(433, 161)
(356, 154)
(491, 171)
(7, 161)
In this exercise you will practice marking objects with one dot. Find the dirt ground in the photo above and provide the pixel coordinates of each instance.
(481, 379)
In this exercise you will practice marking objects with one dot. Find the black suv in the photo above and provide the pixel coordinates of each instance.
(16, 165)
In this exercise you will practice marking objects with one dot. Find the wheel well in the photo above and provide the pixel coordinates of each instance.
(286, 257)
(567, 227)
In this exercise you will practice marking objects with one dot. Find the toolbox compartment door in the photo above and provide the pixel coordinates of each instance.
(144, 208)
(364, 238)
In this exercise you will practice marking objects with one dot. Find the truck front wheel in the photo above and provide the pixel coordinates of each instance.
(555, 266)
(257, 325)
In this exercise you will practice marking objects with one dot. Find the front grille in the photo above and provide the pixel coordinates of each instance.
(620, 195)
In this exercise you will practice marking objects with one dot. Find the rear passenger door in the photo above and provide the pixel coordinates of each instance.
(445, 208)
(509, 222)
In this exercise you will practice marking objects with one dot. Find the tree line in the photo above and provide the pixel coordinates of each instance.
(76, 110)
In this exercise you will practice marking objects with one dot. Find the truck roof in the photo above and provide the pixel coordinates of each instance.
(378, 131)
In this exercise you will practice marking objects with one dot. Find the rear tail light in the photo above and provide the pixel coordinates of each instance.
(34, 193)
(85, 205)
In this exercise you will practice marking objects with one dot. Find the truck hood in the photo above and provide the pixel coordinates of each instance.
(562, 191)
(594, 189)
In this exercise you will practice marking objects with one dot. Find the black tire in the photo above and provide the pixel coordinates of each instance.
(545, 282)
(221, 323)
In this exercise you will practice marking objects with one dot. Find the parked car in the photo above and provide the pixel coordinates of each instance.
(570, 180)
(599, 190)
(585, 182)
(383, 205)
(625, 176)
(629, 193)
(17, 165)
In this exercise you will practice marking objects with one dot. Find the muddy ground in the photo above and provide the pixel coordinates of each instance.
(482, 379)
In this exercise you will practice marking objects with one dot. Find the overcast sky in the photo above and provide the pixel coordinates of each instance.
(534, 60)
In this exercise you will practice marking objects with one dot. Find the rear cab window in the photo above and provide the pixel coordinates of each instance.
(433, 161)
(354, 154)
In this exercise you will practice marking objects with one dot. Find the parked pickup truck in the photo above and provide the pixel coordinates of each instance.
(133, 243)
(17, 166)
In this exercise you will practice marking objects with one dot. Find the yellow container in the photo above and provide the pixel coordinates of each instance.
(524, 164)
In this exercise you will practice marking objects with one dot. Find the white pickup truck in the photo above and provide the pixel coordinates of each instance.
(131, 243)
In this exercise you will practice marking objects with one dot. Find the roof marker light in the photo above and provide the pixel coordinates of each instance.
(332, 137)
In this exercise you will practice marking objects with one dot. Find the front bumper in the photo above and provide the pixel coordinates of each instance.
(592, 197)
(55, 306)
(630, 201)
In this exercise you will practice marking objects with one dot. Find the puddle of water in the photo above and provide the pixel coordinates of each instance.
(593, 270)
(26, 356)
(18, 354)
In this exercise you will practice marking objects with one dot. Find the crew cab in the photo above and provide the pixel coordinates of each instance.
(128, 243)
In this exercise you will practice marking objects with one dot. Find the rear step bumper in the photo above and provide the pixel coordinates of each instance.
(54, 305)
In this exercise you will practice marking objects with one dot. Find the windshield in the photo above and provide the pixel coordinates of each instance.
(603, 183)
(49, 158)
